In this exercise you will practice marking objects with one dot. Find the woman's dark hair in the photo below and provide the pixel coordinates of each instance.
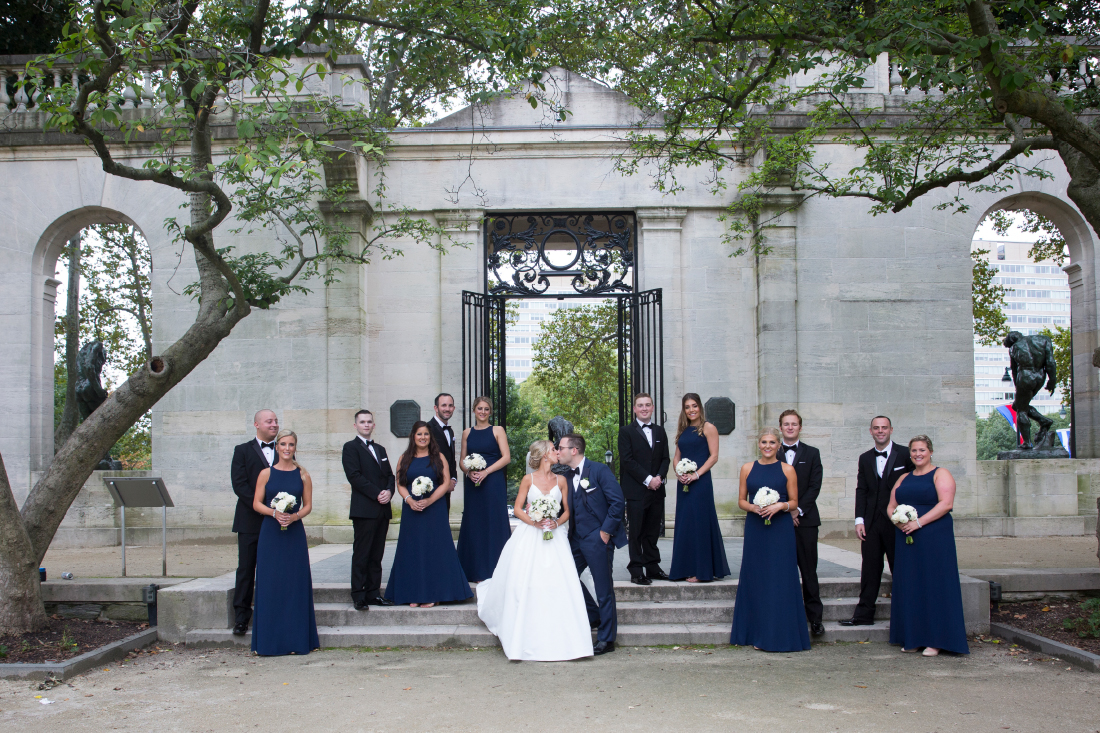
(683, 423)
(434, 456)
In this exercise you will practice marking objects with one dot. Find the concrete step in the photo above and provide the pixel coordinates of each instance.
(344, 614)
(839, 609)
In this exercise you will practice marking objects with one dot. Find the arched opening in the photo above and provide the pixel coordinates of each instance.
(1028, 252)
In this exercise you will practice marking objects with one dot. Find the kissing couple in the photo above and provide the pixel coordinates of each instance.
(535, 602)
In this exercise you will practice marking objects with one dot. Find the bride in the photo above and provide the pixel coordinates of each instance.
(533, 602)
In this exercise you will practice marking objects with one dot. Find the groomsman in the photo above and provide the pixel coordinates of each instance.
(806, 461)
(643, 465)
(249, 459)
(368, 470)
(440, 428)
(879, 470)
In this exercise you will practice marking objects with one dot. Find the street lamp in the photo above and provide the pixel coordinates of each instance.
(1007, 377)
(608, 457)
(1062, 412)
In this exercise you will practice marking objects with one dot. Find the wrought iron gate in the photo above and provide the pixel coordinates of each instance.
(483, 355)
(641, 352)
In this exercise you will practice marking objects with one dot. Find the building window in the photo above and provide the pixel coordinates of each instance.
(1000, 251)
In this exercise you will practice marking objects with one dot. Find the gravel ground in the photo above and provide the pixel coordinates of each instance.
(849, 687)
(987, 553)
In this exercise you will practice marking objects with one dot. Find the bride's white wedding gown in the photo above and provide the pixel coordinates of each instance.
(533, 602)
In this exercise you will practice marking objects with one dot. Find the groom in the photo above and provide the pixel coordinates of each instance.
(595, 530)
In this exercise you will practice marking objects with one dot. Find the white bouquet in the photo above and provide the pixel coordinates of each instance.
(474, 462)
(765, 497)
(421, 486)
(544, 507)
(904, 513)
(282, 503)
(685, 466)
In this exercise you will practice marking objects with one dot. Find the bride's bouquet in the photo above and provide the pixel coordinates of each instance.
(421, 486)
(282, 503)
(544, 507)
(685, 466)
(765, 497)
(474, 462)
(904, 513)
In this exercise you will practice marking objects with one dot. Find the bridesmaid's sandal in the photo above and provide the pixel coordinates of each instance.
(414, 605)
(693, 580)
(930, 652)
(910, 651)
(426, 605)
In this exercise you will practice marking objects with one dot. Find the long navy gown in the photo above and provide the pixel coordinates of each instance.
(425, 564)
(697, 548)
(926, 606)
(485, 529)
(283, 622)
(768, 611)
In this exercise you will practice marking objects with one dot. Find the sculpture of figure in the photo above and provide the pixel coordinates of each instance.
(559, 426)
(89, 387)
(1032, 362)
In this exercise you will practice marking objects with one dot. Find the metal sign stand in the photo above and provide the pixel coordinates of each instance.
(141, 492)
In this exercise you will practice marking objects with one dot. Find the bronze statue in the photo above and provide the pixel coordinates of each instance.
(559, 426)
(90, 393)
(1032, 362)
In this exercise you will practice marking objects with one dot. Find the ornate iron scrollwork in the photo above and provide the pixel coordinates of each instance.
(596, 252)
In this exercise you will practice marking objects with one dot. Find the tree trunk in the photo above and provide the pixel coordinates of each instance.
(70, 416)
(21, 608)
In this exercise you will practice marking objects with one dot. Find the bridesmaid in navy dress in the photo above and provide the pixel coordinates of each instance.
(769, 612)
(698, 553)
(425, 568)
(485, 529)
(284, 622)
(926, 602)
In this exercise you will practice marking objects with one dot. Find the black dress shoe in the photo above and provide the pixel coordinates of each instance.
(658, 575)
(361, 606)
(380, 601)
(857, 622)
(603, 647)
(240, 629)
(817, 628)
(641, 580)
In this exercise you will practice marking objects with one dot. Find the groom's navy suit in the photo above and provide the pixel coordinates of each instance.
(599, 507)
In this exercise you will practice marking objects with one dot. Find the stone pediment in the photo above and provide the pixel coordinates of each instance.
(590, 104)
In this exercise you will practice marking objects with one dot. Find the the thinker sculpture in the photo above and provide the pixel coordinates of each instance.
(557, 427)
(1031, 362)
(89, 390)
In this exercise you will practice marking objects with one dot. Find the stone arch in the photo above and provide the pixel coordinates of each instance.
(44, 298)
(1082, 268)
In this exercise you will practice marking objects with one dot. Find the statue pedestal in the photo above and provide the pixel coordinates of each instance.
(1051, 447)
(1040, 488)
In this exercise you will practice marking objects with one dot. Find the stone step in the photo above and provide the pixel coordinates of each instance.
(344, 614)
(462, 635)
(839, 609)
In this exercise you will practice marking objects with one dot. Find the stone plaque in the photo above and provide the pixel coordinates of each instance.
(723, 413)
(403, 413)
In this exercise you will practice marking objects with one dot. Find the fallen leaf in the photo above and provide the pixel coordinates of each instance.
(408, 688)
(1045, 608)
(862, 687)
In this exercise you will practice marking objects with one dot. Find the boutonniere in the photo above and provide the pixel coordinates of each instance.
(584, 483)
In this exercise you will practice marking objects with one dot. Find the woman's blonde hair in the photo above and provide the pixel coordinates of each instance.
(769, 431)
(288, 433)
(479, 400)
(537, 452)
(922, 439)
(683, 423)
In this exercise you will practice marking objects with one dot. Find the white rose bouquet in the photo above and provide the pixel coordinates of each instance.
(474, 462)
(544, 507)
(421, 486)
(282, 503)
(765, 497)
(685, 466)
(903, 514)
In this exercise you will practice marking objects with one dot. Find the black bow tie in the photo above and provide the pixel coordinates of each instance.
(647, 426)
(448, 429)
(882, 453)
(790, 447)
(574, 472)
(270, 445)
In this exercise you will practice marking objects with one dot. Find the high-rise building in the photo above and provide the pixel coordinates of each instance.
(1037, 299)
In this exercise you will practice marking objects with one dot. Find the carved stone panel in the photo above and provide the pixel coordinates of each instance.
(723, 413)
(403, 413)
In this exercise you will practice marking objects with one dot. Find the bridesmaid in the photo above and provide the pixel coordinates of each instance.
(698, 552)
(284, 622)
(485, 529)
(768, 612)
(425, 568)
(926, 601)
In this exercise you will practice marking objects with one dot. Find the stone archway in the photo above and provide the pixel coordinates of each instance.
(1083, 307)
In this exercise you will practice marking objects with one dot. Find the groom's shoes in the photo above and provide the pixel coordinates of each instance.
(857, 622)
(379, 601)
(361, 606)
(658, 574)
(240, 629)
(641, 580)
(817, 628)
(603, 647)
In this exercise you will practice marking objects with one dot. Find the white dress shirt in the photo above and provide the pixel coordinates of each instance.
(880, 466)
(789, 452)
(371, 449)
(450, 435)
(648, 436)
(269, 453)
(577, 478)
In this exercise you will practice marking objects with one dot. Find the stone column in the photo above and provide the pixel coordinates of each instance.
(777, 311)
(661, 260)
(1086, 385)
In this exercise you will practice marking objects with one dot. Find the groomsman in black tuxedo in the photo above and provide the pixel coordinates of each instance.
(440, 428)
(879, 470)
(643, 465)
(806, 461)
(249, 459)
(368, 470)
